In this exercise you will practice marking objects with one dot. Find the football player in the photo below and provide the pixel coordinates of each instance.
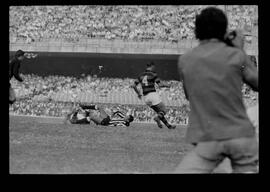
(148, 80)
(14, 66)
(86, 113)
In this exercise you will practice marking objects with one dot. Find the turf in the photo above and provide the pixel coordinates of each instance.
(47, 146)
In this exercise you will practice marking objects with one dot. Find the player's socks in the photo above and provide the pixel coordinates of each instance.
(172, 127)
(162, 118)
(156, 119)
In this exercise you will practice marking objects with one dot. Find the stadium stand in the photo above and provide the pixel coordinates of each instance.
(54, 95)
(136, 23)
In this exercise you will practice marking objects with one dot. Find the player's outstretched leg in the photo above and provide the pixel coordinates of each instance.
(160, 109)
(157, 120)
(161, 116)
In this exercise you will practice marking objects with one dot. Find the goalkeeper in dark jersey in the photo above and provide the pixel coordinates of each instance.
(14, 70)
(87, 113)
(14, 66)
(148, 79)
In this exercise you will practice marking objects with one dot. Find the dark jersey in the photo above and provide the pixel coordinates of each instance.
(148, 79)
(14, 66)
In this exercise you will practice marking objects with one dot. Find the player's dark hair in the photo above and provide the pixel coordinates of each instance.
(211, 23)
(131, 118)
(150, 64)
(19, 53)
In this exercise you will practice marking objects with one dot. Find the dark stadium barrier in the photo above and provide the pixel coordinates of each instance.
(102, 65)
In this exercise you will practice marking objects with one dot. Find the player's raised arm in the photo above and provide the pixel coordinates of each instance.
(134, 86)
(161, 84)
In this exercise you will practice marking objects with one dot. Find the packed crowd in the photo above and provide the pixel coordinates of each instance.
(136, 23)
(61, 109)
(46, 86)
(34, 85)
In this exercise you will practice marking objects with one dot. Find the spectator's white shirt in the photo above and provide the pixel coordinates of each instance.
(253, 114)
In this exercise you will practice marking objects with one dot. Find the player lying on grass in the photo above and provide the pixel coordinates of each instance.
(87, 113)
(148, 80)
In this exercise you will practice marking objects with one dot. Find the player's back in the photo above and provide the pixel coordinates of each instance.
(212, 74)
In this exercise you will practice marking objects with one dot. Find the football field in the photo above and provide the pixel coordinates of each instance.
(47, 146)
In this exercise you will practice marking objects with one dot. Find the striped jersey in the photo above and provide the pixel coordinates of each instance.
(117, 121)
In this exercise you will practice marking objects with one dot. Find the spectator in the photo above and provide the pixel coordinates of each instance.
(137, 23)
(219, 127)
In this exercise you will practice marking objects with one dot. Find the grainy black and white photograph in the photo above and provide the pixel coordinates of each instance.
(133, 89)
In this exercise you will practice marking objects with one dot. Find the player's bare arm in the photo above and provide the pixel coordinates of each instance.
(162, 84)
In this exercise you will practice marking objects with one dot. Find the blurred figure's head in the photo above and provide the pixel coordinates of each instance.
(19, 55)
(211, 23)
(150, 66)
(129, 118)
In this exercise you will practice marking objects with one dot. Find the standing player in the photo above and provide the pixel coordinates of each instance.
(14, 66)
(148, 79)
(86, 113)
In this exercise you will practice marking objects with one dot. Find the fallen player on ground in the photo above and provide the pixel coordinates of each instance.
(87, 113)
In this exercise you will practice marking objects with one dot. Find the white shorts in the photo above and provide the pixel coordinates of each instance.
(152, 98)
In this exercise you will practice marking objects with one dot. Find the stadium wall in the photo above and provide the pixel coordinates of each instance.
(115, 46)
(100, 64)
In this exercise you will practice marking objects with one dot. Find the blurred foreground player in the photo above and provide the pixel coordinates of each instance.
(253, 114)
(86, 113)
(14, 66)
(148, 80)
(213, 74)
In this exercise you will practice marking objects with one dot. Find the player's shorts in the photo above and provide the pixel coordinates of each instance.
(105, 121)
(152, 98)
(12, 96)
(159, 108)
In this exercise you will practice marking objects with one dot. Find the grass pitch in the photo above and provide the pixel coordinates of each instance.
(47, 146)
